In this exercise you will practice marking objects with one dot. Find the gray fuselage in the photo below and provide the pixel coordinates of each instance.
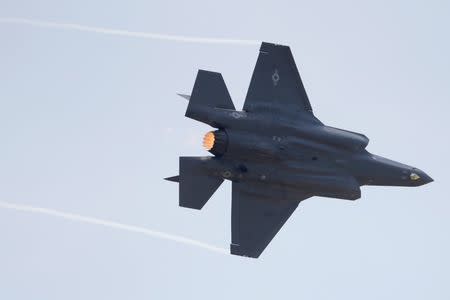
(300, 153)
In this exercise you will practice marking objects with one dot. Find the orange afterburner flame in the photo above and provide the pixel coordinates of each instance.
(208, 140)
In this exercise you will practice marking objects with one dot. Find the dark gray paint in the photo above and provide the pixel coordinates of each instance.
(276, 152)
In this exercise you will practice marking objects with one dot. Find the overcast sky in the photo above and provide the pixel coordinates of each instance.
(90, 124)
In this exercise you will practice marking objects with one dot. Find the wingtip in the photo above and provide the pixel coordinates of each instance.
(266, 47)
(187, 97)
(173, 178)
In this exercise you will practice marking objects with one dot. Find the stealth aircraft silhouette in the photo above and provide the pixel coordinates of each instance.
(275, 152)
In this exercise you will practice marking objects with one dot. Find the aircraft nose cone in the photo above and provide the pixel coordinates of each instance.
(423, 178)
(426, 178)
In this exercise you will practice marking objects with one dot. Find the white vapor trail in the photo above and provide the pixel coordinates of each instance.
(111, 224)
(136, 34)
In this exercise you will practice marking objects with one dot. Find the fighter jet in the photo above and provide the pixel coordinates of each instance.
(275, 152)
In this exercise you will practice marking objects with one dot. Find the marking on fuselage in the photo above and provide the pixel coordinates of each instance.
(238, 114)
(276, 138)
(226, 174)
(275, 77)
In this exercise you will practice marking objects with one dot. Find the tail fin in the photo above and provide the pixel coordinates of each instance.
(196, 184)
(209, 91)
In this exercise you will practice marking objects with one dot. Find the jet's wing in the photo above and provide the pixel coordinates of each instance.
(258, 213)
(276, 82)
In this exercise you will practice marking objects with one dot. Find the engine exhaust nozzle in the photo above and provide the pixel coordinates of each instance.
(216, 142)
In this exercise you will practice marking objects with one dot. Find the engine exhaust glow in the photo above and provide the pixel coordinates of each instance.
(208, 140)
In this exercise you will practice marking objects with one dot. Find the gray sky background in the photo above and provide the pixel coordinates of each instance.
(90, 124)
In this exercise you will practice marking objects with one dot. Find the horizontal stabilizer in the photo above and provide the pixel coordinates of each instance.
(209, 92)
(196, 184)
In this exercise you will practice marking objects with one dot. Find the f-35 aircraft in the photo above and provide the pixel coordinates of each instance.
(275, 152)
